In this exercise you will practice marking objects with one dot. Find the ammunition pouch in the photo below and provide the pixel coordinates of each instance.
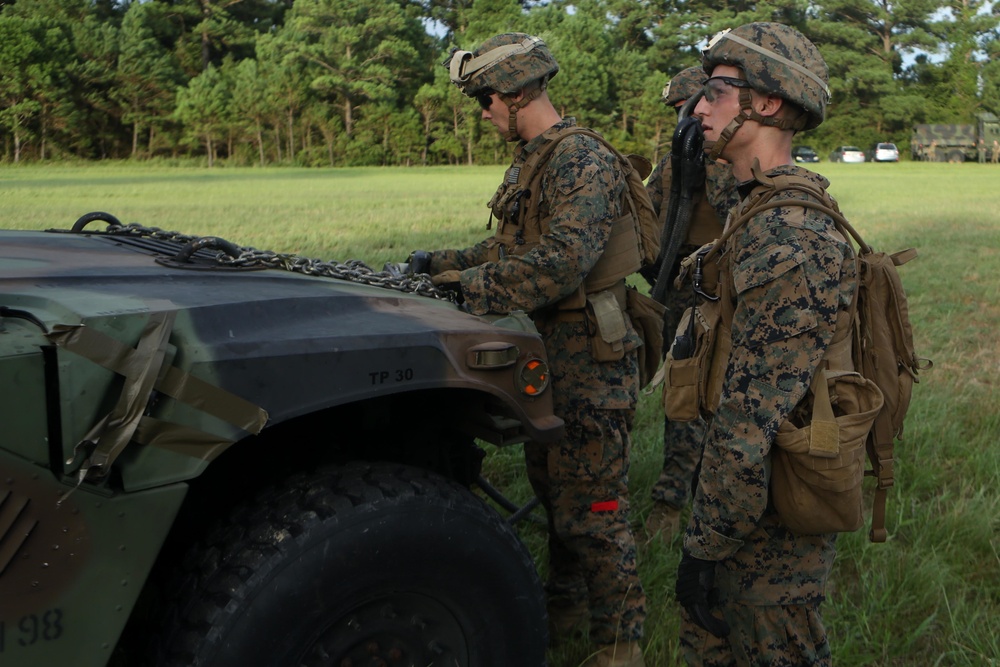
(606, 325)
(694, 370)
(686, 368)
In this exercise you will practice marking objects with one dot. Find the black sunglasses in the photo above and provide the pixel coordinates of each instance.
(485, 99)
(710, 93)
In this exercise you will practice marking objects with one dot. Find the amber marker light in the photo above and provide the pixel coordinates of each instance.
(533, 377)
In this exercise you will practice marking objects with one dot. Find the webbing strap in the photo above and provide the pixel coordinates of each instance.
(138, 366)
(142, 368)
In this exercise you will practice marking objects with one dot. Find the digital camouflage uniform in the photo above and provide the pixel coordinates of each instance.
(682, 440)
(790, 274)
(581, 480)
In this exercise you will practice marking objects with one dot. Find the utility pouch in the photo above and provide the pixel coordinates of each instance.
(685, 371)
(816, 470)
(646, 315)
(606, 326)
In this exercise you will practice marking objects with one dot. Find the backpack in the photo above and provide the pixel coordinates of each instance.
(816, 486)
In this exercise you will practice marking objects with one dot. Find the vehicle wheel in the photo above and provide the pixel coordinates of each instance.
(956, 157)
(360, 565)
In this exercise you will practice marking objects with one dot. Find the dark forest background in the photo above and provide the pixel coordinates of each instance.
(359, 82)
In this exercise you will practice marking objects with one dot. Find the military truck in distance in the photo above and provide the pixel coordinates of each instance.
(956, 143)
(210, 459)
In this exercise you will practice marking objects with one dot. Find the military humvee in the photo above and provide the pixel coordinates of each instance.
(209, 459)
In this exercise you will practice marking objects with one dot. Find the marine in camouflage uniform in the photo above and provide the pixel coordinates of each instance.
(682, 440)
(582, 480)
(751, 589)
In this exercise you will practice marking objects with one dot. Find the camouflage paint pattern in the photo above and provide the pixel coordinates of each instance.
(957, 143)
(682, 440)
(580, 199)
(74, 556)
(791, 274)
(511, 74)
(777, 67)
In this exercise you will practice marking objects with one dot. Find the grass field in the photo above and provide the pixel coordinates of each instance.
(929, 596)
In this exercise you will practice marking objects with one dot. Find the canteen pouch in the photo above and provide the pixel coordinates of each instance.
(685, 371)
(816, 470)
(606, 326)
(646, 315)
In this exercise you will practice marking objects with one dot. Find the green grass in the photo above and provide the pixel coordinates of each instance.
(929, 596)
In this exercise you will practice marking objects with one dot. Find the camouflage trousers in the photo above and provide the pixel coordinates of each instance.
(682, 441)
(761, 636)
(582, 481)
(769, 592)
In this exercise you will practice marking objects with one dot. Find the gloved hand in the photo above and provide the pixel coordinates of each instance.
(419, 262)
(450, 280)
(695, 590)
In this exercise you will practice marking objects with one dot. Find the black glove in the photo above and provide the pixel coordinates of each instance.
(695, 591)
(419, 262)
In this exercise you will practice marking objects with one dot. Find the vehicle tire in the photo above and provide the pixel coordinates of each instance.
(956, 157)
(357, 565)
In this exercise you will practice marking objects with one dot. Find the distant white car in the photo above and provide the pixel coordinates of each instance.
(847, 154)
(885, 152)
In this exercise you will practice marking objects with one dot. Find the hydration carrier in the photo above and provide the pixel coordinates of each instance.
(860, 393)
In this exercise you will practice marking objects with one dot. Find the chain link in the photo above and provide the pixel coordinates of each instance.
(352, 270)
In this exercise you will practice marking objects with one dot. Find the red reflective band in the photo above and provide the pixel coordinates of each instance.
(604, 506)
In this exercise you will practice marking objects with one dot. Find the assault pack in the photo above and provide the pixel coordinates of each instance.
(860, 393)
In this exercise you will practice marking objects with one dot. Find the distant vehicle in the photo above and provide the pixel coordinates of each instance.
(804, 154)
(956, 143)
(847, 154)
(885, 152)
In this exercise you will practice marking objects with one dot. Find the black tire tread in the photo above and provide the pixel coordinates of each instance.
(216, 573)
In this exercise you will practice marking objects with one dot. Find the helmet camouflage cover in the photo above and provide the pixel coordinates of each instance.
(685, 84)
(776, 59)
(506, 63)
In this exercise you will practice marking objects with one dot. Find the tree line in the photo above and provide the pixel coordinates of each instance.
(360, 82)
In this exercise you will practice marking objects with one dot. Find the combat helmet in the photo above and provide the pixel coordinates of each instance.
(778, 60)
(506, 64)
(683, 86)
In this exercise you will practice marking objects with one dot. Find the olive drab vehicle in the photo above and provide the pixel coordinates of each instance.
(956, 143)
(213, 455)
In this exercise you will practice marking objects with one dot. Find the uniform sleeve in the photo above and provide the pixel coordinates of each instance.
(788, 286)
(446, 260)
(582, 191)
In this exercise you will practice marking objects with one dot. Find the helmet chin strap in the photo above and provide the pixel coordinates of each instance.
(512, 107)
(747, 112)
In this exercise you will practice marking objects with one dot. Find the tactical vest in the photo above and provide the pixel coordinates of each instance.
(521, 223)
(705, 225)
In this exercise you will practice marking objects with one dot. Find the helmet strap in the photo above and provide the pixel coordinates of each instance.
(747, 112)
(513, 107)
(746, 105)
